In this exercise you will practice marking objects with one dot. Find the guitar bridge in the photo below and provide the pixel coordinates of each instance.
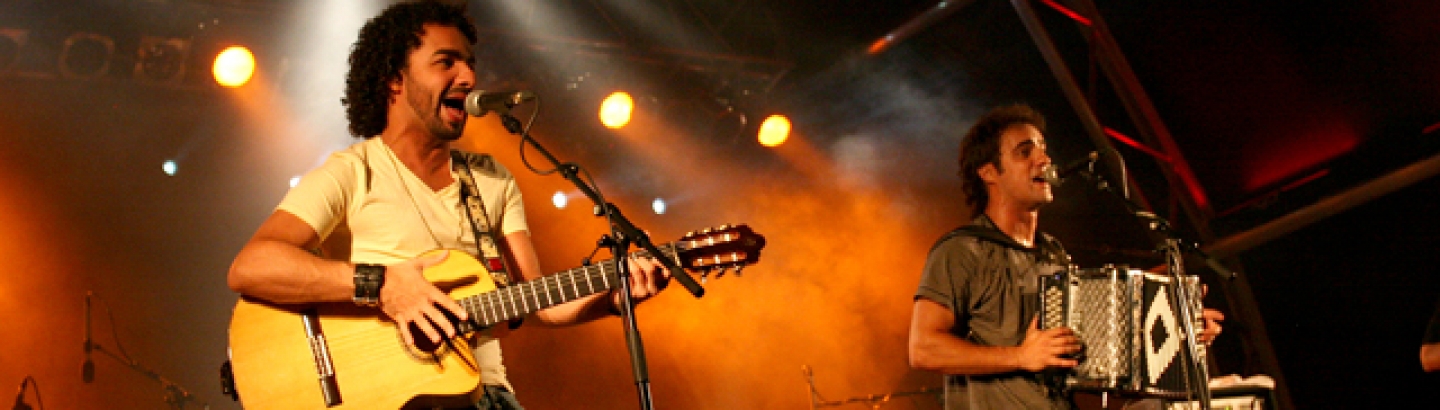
(320, 351)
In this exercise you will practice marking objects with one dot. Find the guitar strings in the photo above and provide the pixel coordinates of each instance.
(491, 306)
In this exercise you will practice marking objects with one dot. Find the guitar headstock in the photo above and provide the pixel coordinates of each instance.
(719, 249)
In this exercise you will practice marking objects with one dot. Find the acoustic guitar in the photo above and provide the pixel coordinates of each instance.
(343, 356)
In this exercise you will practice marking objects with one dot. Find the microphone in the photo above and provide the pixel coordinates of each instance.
(20, 397)
(87, 369)
(481, 102)
(1056, 176)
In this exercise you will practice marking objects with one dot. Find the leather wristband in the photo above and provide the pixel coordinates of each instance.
(368, 281)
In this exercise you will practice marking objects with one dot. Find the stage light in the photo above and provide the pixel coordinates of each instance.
(11, 41)
(560, 200)
(161, 59)
(774, 131)
(658, 206)
(234, 66)
(295, 180)
(86, 55)
(615, 110)
(169, 167)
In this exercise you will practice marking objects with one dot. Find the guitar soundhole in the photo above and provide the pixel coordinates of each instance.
(429, 350)
(425, 350)
(423, 342)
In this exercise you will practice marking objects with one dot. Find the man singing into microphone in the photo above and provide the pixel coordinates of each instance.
(974, 312)
(353, 229)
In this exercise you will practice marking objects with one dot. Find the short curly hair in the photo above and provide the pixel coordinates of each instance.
(981, 146)
(383, 50)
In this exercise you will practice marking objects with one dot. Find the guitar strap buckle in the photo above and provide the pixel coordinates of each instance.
(495, 265)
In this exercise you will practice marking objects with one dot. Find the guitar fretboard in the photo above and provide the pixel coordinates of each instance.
(522, 299)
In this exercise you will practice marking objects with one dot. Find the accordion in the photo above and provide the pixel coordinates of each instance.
(1129, 330)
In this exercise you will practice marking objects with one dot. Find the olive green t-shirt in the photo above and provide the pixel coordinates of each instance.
(989, 283)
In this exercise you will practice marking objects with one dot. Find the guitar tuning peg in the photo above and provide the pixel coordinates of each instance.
(724, 227)
(704, 276)
(739, 269)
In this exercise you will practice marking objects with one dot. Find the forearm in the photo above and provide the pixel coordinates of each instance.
(578, 311)
(282, 273)
(947, 354)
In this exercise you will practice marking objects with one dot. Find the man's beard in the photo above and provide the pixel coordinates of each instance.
(429, 112)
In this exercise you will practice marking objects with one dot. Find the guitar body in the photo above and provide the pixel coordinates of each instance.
(275, 368)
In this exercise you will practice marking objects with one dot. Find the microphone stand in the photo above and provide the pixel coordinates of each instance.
(175, 395)
(1196, 378)
(624, 233)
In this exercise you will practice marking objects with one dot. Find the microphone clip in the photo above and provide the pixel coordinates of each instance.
(1057, 175)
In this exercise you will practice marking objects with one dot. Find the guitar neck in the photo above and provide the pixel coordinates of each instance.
(517, 301)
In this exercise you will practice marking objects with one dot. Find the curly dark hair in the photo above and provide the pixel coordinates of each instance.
(383, 50)
(981, 145)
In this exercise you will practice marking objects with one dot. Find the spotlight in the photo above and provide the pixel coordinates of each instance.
(169, 167)
(295, 180)
(11, 41)
(774, 131)
(234, 66)
(560, 200)
(658, 206)
(615, 110)
(86, 55)
(161, 59)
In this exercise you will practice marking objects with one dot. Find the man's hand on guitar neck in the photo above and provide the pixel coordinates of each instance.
(647, 278)
(408, 298)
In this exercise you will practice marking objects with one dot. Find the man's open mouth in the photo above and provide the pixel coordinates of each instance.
(453, 106)
(457, 103)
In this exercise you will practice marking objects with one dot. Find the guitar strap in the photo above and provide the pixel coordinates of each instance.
(479, 217)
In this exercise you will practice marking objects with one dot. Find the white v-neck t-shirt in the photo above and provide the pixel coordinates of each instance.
(368, 207)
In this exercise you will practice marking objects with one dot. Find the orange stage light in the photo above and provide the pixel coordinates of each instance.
(774, 131)
(615, 110)
(234, 66)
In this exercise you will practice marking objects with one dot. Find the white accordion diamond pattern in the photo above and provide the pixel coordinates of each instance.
(1160, 314)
